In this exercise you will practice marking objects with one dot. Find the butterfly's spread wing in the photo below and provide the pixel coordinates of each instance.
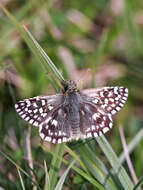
(36, 110)
(98, 107)
(109, 99)
(49, 114)
(94, 121)
(56, 128)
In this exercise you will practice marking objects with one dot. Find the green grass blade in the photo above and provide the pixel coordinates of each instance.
(55, 164)
(14, 163)
(21, 180)
(47, 178)
(74, 155)
(117, 168)
(34, 46)
(96, 167)
(8, 158)
(140, 182)
(89, 164)
(89, 178)
(63, 177)
(44, 57)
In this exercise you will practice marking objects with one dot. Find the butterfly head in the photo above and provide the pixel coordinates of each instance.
(69, 86)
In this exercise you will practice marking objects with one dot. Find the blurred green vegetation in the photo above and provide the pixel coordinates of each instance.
(96, 43)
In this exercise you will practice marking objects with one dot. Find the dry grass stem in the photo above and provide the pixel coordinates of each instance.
(29, 156)
(129, 163)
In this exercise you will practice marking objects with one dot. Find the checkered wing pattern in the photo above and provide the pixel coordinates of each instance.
(58, 119)
(94, 121)
(56, 128)
(36, 110)
(109, 99)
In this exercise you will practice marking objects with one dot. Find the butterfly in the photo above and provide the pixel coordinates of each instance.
(73, 114)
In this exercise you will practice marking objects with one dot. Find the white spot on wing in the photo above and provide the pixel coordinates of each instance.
(40, 127)
(110, 117)
(89, 135)
(102, 112)
(20, 113)
(95, 134)
(54, 122)
(118, 108)
(113, 111)
(101, 94)
(35, 110)
(31, 121)
(97, 127)
(43, 102)
(95, 101)
(50, 107)
(117, 98)
(64, 139)
(54, 141)
(35, 105)
(110, 94)
(110, 125)
(93, 127)
(26, 109)
(28, 103)
(47, 126)
(59, 140)
(16, 105)
(104, 106)
(106, 101)
(88, 129)
(100, 133)
(23, 116)
(35, 116)
(35, 123)
(42, 135)
(124, 98)
(105, 129)
(48, 139)
(95, 116)
(43, 114)
(109, 108)
(27, 118)
(116, 90)
(121, 104)
(41, 110)
(111, 99)
(123, 101)
(60, 133)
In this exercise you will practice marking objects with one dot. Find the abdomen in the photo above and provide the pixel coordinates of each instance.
(74, 116)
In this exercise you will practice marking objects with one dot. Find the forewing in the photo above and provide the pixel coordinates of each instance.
(94, 121)
(56, 127)
(110, 99)
(35, 110)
